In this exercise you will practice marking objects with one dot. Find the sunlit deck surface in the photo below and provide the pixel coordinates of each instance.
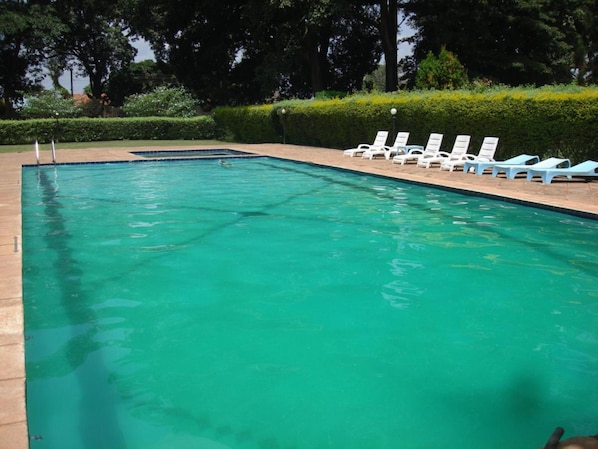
(577, 196)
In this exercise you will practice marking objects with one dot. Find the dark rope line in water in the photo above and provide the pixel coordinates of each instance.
(216, 228)
(58, 239)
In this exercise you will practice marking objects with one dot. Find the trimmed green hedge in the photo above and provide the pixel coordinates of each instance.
(552, 121)
(90, 130)
(249, 124)
(547, 122)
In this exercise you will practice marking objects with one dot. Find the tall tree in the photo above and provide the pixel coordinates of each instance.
(389, 28)
(355, 48)
(511, 41)
(95, 39)
(580, 19)
(590, 23)
(270, 63)
(335, 39)
(138, 78)
(247, 50)
(13, 63)
(198, 40)
(23, 25)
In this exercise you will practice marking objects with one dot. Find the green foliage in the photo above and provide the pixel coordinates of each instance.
(551, 121)
(251, 124)
(327, 94)
(89, 130)
(561, 120)
(375, 81)
(24, 27)
(137, 78)
(94, 39)
(161, 102)
(442, 72)
(515, 42)
(289, 48)
(246, 51)
(94, 107)
(50, 104)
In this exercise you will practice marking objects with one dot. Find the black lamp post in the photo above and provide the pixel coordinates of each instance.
(393, 112)
(56, 116)
(283, 113)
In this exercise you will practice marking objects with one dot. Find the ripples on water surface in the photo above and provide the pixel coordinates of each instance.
(280, 305)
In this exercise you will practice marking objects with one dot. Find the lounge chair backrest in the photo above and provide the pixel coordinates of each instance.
(522, 159)
(434, 142)
(488, 149)
(401, 139)
(460, 146)
(380, 139)
(552, 162)
(587, 166)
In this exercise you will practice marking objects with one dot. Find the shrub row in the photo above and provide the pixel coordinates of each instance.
(250, 124)
(90, 130)
(546, 122)
(537, 121)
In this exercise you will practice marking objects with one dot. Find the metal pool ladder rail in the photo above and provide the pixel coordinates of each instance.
(36, 147)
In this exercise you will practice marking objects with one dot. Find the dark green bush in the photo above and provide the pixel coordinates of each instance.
(250, 124)
(442, 72)
(555, 121)
(328, 94)
(548, 122)
(50, 104)
(163, 101)
(90, 130)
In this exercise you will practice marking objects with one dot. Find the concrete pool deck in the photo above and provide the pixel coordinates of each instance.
(577, 196)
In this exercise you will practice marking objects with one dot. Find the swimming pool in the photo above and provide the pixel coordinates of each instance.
(271, 304)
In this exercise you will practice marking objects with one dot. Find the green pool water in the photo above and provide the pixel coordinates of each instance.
(267, 304)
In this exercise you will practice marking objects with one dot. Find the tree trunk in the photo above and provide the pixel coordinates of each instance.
(388, 31)
(317, 42)
(315, 70)
(95, 84)
(9, 111)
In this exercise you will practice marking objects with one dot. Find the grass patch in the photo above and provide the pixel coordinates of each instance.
(111, 144)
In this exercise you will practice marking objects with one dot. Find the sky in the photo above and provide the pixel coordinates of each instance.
(143, 52)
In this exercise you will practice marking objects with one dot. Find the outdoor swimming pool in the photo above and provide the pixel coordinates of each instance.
(276, 305)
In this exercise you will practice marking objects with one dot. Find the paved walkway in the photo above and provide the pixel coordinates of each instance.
(577, 196)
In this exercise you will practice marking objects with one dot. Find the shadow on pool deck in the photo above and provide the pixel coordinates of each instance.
(578, 197)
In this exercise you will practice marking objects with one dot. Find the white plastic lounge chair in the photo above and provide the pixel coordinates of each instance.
(586, 169)
(480, 166)
(513, 170)
(417, 151)
(379, 142)
(398, 146)
(485, 154)
(459, 150)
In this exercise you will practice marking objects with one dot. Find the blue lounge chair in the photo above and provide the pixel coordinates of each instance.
(587, 169)
(379, 142)
(513, 170)
(480, 166)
